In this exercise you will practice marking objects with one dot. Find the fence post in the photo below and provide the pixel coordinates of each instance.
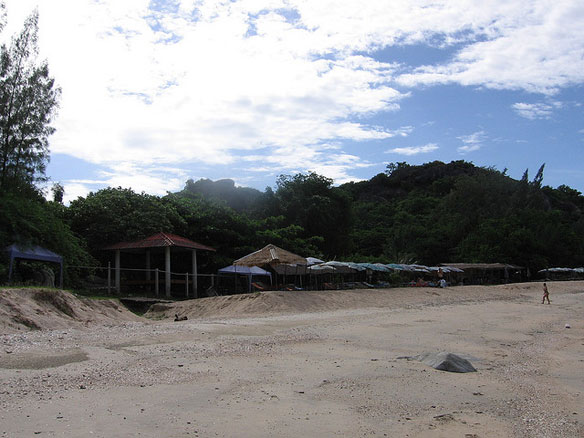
(109, 278)
(156, 286)
(187, 284)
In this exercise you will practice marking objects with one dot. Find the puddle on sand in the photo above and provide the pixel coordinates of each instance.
(39, 361)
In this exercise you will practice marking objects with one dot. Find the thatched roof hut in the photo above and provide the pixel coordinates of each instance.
(270, 255)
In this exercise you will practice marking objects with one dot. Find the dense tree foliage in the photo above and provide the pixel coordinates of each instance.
(32, 221)
(28, 100)
(311, 202)
(458, 212)
(117, 215)
(433, 213)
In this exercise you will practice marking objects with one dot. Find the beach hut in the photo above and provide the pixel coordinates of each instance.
(273, 256)
(270, 255)
(560, 273)
(488, 273)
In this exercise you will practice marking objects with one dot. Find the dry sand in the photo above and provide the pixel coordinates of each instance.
(289, 364)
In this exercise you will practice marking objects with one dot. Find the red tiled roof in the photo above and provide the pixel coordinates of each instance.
(161, 240)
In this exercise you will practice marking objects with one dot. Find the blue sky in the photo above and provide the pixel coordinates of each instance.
(157, 92)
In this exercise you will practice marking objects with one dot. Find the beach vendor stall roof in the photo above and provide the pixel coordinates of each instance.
(33, 253)
(547, 270)
(270, 255)
(160, 240)
(484, 266)
(244, 270)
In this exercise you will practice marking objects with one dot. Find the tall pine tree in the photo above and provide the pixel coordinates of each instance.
(28, 101)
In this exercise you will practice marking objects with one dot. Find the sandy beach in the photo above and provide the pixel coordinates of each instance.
(288, 364)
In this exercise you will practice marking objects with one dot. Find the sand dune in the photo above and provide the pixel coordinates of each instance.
(285, 302)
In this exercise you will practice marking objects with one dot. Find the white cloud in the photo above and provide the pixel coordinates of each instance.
(530, 45)
(128, 98)
(74, 190)
(472, 142)
(414, 150)
(328, 160)
(535, 111)
(208, 81)
(340, 167)
(159, 180)
(468, 148)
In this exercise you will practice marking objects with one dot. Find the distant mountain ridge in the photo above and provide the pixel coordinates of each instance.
(241, 199)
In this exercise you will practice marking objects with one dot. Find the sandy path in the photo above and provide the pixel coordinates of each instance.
(337, 373)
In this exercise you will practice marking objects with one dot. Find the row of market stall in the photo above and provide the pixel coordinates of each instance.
(318, 274)
(145, 266)
(273, 267)
(562, 273)
(335, 267)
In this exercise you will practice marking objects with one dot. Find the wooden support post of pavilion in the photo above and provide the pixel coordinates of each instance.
(195, 273)
(148, 269)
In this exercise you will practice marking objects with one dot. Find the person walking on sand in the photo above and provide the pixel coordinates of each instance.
(546, 294)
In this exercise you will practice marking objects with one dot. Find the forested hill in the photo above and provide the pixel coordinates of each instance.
(436, 212)
(243, 199)
(441, 212)
(433, 213)
(400, 178)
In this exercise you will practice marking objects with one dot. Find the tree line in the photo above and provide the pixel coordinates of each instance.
(432, 213)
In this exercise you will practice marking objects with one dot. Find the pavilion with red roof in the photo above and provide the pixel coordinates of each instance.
(160, 242)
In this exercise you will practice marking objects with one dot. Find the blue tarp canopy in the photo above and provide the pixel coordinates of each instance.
(249, 271)
(37, 253)
(244, 270)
